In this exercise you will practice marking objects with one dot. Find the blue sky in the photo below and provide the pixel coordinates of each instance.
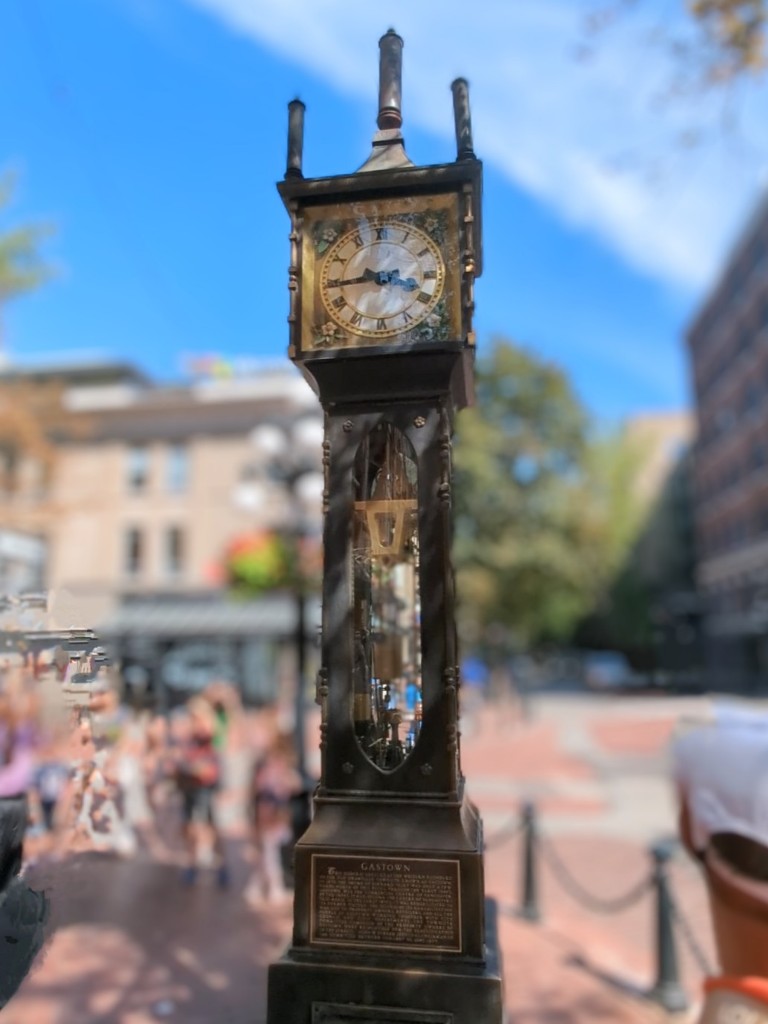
(152, 132)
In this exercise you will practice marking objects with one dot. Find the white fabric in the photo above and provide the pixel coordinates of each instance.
(722, 768)
(725, 1007)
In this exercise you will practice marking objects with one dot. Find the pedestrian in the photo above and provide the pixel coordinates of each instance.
(274, 781)
(101, 798)
(49, 781)
(721, 772)
(17, 762)
(198, 775)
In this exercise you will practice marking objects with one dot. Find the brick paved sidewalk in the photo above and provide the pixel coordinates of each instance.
(598, 773)
(131, 946)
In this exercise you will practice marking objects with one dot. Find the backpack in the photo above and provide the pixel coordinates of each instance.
(198, 765)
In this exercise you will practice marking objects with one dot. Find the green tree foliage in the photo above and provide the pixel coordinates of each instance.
(519, 461)
(727, 44)
(735, 30)
(550, 515)
(22, 265)
(615, 512)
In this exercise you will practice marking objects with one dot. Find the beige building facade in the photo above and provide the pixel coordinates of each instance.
(143, 500)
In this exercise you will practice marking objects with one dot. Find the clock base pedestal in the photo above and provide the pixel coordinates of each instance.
(308, 987)
(390, 922)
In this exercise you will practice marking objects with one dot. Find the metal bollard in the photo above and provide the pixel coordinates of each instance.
(667, 990)
(529, 908)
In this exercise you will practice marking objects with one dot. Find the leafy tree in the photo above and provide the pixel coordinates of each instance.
(553, 535)
(519, 459)
(730, 43)
(22, 265)
(29, 414)
(735, 30)
(615, 512)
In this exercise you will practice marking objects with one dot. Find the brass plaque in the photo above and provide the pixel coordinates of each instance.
(403, 903)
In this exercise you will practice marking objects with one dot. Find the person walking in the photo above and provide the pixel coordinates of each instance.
(17, 764)
(274, 781)
(198, 775)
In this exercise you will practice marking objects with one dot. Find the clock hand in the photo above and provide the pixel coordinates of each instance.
(379, 277)
(393, 277)
(410, 284)
(366, 276)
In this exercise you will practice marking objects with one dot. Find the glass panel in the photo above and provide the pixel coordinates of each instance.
(174, 551)
(133, 551)
(137, 468)
(177, 469)
(387, 699)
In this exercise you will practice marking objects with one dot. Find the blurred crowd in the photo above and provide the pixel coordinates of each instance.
(81, 771)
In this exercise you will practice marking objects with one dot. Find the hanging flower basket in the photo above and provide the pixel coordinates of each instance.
(258, 562)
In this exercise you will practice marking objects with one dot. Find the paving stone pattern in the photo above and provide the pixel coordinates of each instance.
(129, 945)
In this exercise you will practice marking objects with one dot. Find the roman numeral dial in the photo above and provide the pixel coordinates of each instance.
(382, 278)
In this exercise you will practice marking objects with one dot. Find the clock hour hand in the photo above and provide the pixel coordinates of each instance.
(379, 277)
(366, 276)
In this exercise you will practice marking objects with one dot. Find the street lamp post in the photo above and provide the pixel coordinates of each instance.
(287, 456)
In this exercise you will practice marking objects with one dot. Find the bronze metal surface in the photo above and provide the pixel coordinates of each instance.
(295, 139)
(462, 120)
(340, 1013)
(390, 923)
(390, 80)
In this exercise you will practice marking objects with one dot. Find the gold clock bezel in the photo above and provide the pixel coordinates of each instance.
(324, 225)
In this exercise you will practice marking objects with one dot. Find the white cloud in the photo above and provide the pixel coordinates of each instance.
(554, 125)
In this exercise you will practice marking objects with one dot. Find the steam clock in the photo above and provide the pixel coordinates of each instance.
(390, 918)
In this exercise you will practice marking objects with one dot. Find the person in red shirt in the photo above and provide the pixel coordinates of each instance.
(198, 773)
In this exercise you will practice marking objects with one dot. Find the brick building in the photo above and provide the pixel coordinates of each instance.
(728, 345)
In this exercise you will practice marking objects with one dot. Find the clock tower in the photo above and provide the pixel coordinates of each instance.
(391, 923)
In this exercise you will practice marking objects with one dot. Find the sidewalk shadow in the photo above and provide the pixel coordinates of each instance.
(608, 978)
(126, 938)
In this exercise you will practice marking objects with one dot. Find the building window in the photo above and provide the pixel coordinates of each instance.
(137, 468)
(174, 551)
(134, 551)
(177, 468)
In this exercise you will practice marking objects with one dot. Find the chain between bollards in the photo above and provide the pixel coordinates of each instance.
(685, 929)
(506, 833)
(666, 990)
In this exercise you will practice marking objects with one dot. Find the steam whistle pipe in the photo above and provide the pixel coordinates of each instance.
(295, 139)
(462, 119)
(390, 81)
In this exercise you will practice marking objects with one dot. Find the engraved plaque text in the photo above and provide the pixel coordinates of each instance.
(386, 903)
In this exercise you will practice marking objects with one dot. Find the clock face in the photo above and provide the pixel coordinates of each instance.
(381, 279)
(381, 272)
